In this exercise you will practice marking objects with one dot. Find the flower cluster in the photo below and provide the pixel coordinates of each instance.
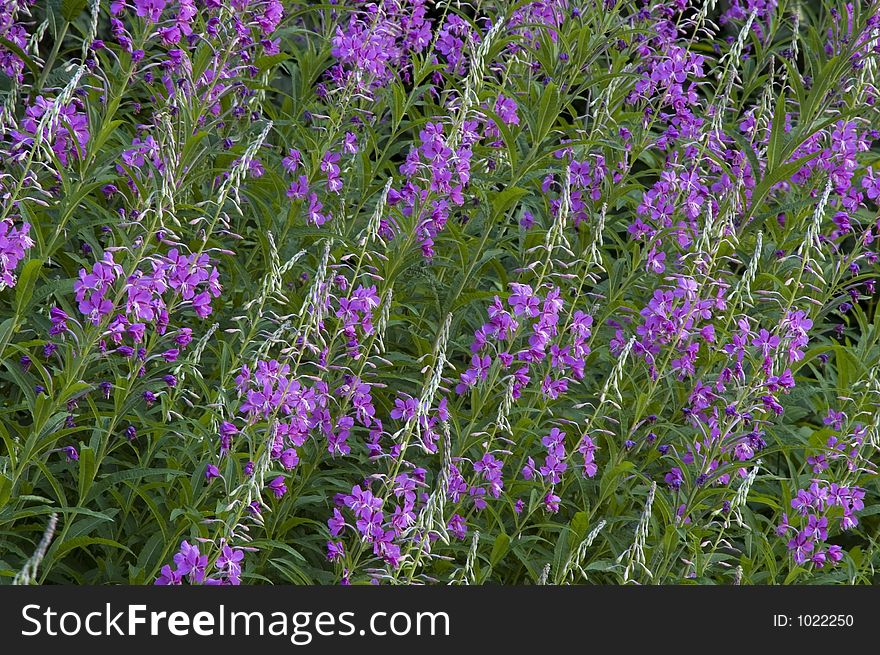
(808, 527)
(438, 174)
(65, 127)
(186, 278)
(372, 524)
(375, 44)
(192, 566)
(14, 244)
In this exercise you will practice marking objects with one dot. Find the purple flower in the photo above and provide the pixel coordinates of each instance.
(14, 242)
(457, 526)
(230, 560)
(289, 458)
(506, 110)
(335, 550)
(835, 553)
(167, 576)
(674, 478)
(835, 419)
(59, 321)
(588, 449)
(202, 304)
(766, 342)
(523, 300)
(292, 161)
(405, 408)
(336, 523)
(278, 487)
(191, 562)
(227, 431)
(551, 502)
(801, 545)
(151, 9)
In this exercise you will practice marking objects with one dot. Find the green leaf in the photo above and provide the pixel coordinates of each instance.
(611, 475)
(499, 550)
(5, 489)
(579, 525)
(71, 9)
(794, 574)
(62, 548)
(770, 180)
(548, 111)
(5, 334)
(135, 474)
(268, 544)
(87, 468)
(506, 199)
(150, 553)
(27, 280)
(270, 61)
(777, 130)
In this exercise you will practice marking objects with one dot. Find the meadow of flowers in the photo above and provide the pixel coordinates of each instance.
(414, 291)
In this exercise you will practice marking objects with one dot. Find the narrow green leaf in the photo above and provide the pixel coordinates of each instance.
(87, 468)
(71, 9)
(27, 280)
(499, 549)
(777, 130)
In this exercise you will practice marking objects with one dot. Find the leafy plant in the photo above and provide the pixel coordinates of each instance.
(433, 292)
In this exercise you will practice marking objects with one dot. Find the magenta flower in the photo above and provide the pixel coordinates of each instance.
(523, 300)
(151, 9)
(190, 562)
(289, 458)
(405, 408)
(167, 576)
(674, 478)
(457, 526)
(335, 550)
(229, 561)
(506, 110)
(278, 487)
(551, 502)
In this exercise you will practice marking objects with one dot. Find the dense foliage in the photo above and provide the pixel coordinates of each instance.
(412, 291)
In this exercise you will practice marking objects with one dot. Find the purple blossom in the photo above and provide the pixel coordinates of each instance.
(278, 487)
(405, 408)
(506, 110)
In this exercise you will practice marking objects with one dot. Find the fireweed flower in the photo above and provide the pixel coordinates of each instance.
(229, 561)
(457, 526)
(335, 550)
(191, 563)
(278, 487)
(674, 478)
(168, 576)
(193, 566)
(506, 110)
(404, 408)
(69, 129)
